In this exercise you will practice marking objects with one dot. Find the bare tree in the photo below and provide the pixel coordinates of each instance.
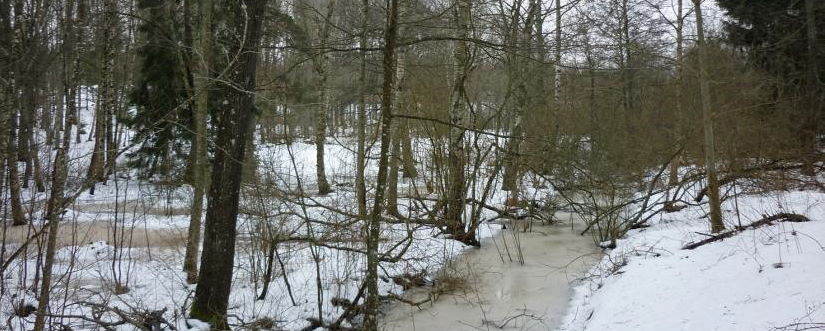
(388, 66)
(716, 223)
(56, 203)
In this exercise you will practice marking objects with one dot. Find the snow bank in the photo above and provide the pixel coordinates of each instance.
(763, 279)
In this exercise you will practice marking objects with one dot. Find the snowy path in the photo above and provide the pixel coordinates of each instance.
(500, 294)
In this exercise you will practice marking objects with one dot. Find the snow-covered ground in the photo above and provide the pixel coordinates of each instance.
(122, 248)
(95, 261)
(770, 278)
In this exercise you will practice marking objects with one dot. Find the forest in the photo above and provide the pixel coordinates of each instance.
(412, 165)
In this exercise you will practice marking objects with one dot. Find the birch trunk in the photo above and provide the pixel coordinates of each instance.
(455, 201)
(361, 126)
(105, 106)
(321, 112)
(557, 66)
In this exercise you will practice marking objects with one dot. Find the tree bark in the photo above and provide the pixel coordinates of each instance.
(388, 62)
(557, 66)
(392, 179)
(716, 222)
(322, 69)
(199, 165)
(407, 154)
(18, 217)
(397, 134)
(234, 126)
(521, 51)
(455, 200)
(56, 206)
(107, 32)
(361, 126)
(810, 128)
(673, 176)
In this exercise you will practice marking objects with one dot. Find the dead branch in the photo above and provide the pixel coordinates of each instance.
(751, 172)
(768, 220)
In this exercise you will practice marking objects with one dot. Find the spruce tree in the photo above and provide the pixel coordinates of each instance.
(163, 115)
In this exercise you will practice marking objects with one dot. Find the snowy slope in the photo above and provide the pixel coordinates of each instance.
(763, 279)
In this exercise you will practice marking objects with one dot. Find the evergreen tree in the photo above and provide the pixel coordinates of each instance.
(164, 113)
(780, 36)
(773, 32)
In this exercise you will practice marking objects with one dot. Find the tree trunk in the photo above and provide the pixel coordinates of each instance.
(810, 128)
(10, 114)
(25, 124)
(407, 154)
(54, 212)
(716, 223)
(627, 72)
(673, 176)
(234, 126)
(56, 206)
(454, 207)
(372, 299)
(392, 179)
(361, 126)
(18, 216)
(397, 135)
(105, 105)
(557, 69)
(199, 164)
(39, 185)
(321, 67)
(522, 40)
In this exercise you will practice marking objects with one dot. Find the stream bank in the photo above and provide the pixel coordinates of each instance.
(493, 290)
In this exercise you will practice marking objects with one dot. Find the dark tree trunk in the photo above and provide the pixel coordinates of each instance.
(234, 126)
(811, 127)
(199, 164)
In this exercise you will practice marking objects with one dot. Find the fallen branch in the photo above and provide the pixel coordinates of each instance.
(768, 220)
(752, 172)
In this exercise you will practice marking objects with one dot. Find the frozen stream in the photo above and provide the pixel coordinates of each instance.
(505, 295)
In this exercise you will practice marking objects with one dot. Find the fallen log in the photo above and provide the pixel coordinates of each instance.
(767, 220)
